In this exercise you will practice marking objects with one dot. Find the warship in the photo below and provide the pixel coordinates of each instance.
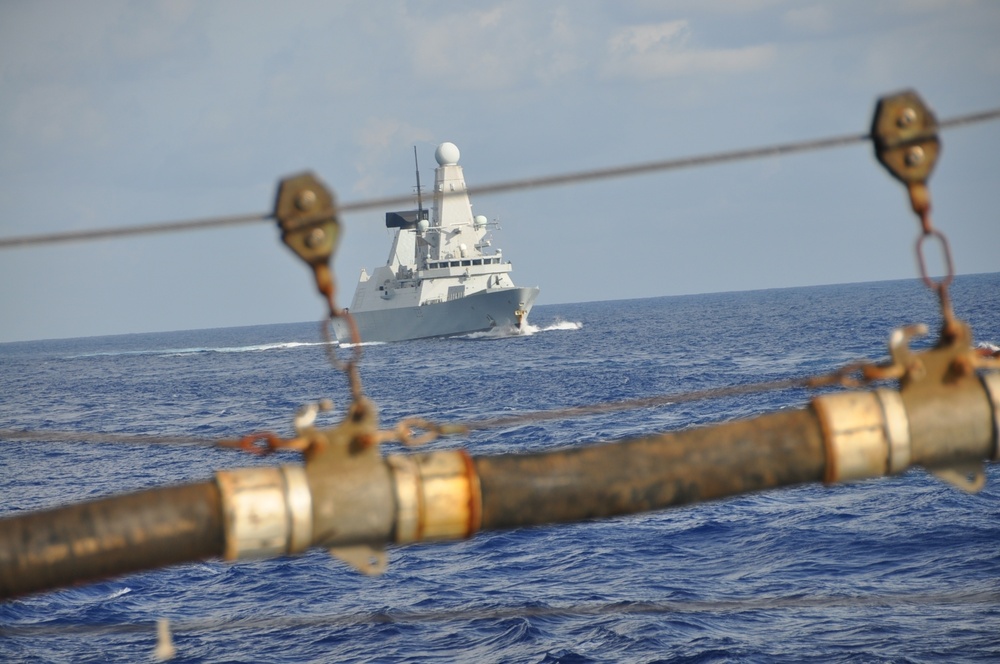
(442, 278)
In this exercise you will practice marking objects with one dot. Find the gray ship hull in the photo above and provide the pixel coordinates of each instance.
(478, 312)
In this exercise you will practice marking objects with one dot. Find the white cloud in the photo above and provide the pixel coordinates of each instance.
(672, 35)
(560, 56)
(473, 50)
(718, 7)
(662, 50)
(495, 49)
(379, 138)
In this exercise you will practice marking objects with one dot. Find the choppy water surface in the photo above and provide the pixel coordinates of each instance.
(898, 570)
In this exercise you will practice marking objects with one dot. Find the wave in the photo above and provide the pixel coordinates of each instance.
(195, 350)
(361, 344)
(284, 345)
(557, 326)
(496, 333)
(564, 325)
(526, 330)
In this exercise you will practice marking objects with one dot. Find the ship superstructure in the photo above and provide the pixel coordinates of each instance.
(442, 277)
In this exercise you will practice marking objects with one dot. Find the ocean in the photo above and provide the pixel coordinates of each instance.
(904, 569)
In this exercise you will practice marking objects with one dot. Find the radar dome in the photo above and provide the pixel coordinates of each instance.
(447, 154)
(423, 225)
(481, 220)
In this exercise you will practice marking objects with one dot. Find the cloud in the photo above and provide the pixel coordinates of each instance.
(717, 7)
(496, 48)
(660, 50)
(379, 138)
(473, 50)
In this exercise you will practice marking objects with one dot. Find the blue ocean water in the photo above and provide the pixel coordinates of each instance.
(895, 570)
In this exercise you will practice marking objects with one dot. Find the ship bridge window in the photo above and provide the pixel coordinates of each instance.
(466, 263)
(477, 261)
(454, 263)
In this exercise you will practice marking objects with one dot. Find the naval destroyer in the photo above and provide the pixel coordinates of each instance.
(443, 277)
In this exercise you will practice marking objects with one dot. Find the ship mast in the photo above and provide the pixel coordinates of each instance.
(420, 246)
(420, 202)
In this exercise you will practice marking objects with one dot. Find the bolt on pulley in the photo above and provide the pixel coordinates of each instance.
(307, 215)
(904, 132)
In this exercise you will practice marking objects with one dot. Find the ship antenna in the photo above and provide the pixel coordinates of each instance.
(420, 201)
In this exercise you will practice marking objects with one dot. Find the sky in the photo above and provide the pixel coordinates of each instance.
(117, 113)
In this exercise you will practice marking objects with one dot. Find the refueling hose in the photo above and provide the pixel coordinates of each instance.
(351, 499)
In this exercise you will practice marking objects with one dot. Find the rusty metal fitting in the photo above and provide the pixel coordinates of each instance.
(904, 133)
(897, 426)
(867, 434)
(991, 381)
(306, 211)
(438, 496)
(267, 511)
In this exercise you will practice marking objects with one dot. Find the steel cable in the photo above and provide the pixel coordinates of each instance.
(465, 614)
(124, 231)
(576, 177)
(54, 436)
(41, 435)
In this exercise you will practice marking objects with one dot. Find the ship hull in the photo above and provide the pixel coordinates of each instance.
(486, 310)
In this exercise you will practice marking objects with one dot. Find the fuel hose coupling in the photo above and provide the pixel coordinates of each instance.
(991, 381)
(438, 496)
(949, 431)
(867, 434)
(267, 511)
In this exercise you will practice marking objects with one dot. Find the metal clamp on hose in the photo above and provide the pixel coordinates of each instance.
(991, 381)
(437, 496)
(867, 434)
(267, 511)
